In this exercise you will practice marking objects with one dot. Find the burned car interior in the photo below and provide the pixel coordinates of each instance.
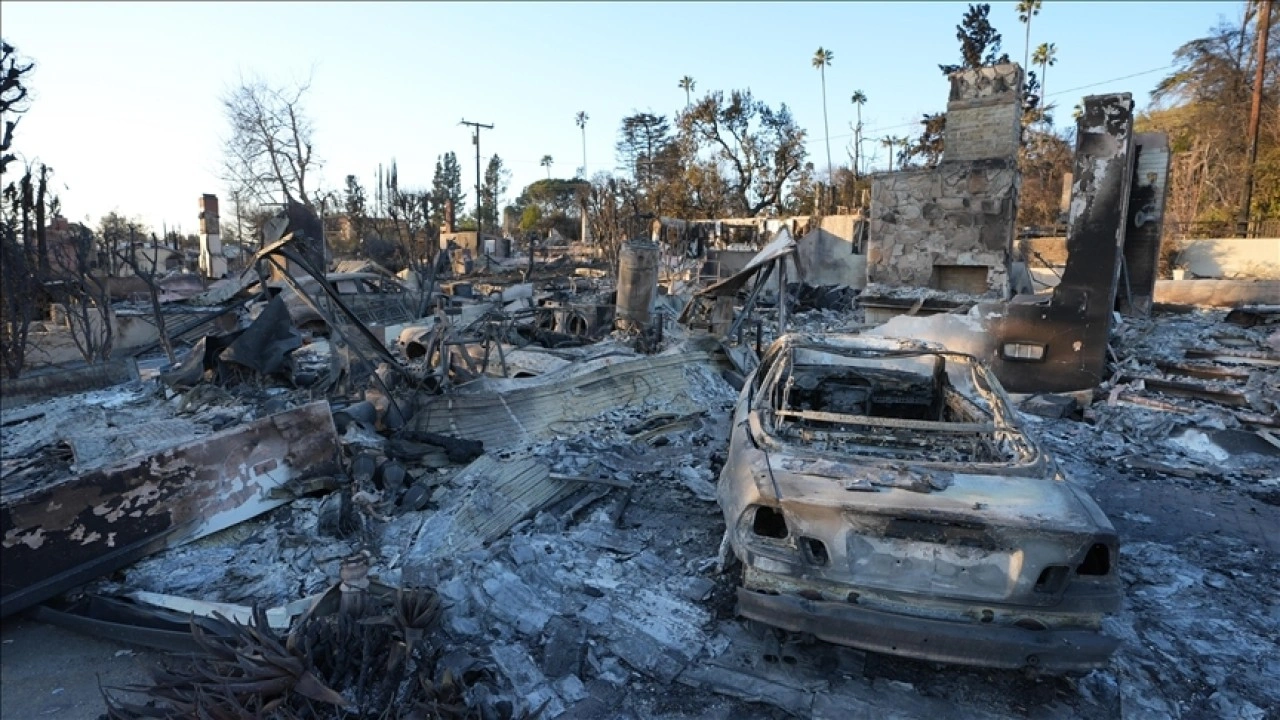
(876, 403)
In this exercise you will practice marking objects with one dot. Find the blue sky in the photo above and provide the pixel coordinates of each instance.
(126, 95)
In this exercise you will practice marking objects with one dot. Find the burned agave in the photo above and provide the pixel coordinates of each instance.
(363, 652)
(242, 671)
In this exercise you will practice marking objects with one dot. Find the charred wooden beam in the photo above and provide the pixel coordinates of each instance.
(1190, 390)
(1240, 357)
(61, 535)
(1206, 372)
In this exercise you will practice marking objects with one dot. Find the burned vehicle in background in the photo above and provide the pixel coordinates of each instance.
(880, 494)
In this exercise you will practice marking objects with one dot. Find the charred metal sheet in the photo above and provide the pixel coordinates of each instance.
(284, 251)
(201, 359)
(499, 495)
(780, 247)
(265, 345)
(1145, 223)
(539, 407)
(124, 622)
(61, 535)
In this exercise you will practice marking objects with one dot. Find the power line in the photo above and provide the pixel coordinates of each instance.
(1104, 82)
(1052, 94)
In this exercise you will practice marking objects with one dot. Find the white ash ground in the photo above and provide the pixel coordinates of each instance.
(632, 621)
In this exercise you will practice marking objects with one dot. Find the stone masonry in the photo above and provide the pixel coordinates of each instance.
(925, 223)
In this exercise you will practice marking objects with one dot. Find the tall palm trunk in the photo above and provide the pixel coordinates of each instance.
(1263, 32)
(1026, 47)
(825, 129)
(857, 143)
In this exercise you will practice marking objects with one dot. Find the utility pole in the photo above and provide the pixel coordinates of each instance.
(475, 140)
(1255, 115)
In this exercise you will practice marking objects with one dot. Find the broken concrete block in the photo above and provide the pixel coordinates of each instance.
(529, 682)
(1050, 406)
(564, 649)
(697, 589)
(697, 482)
(571, 689)
(514, 602)
(646, 655)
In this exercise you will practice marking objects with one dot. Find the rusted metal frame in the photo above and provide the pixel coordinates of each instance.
(901, 423)
(750, 302)
(281, 247)
(361, 328)
(335, 327)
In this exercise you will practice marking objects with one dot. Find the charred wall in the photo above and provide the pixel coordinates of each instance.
(1060, 344)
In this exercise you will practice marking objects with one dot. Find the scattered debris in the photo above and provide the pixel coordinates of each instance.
(500, 488)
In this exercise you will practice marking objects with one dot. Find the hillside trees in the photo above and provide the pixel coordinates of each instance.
(446, 187)
(1204, 106)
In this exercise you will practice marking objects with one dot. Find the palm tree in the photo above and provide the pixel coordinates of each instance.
(546, 163)
(858, 99)
(1027, 9)
(904, 142)
(890, 142)
(1046, 57)
(581, 120)
(686, 84)
(821, 59)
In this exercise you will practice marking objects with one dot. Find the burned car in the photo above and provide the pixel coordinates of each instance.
(881, 494)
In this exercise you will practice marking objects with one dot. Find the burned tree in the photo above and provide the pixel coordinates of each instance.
(611, 205)
(13, 97)
(762, 148)
(144, 261)
(410, 212)
(26, 262)
(19, 285)
(17, 288)
(85, 299)
(269, 150)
